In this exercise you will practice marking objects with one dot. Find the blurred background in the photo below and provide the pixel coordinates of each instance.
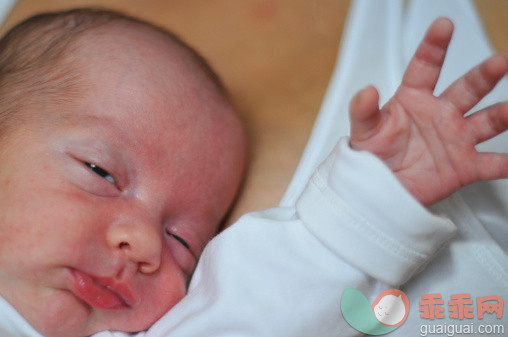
(274, 56)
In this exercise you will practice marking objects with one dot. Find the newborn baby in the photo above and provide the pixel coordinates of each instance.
(120, 155)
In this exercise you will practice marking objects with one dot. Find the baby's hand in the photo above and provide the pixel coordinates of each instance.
(426, 140)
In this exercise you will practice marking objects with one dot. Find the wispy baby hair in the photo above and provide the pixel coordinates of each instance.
(36, 59)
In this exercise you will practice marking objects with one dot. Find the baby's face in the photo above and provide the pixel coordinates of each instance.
(104, 212)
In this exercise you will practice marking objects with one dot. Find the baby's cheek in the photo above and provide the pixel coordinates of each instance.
(170, 285)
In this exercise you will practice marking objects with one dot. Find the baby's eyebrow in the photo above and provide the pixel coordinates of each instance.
(106, 130)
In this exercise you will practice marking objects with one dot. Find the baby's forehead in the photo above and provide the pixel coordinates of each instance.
(65, 53)
(137, 45)
(136, 77)
(142, 77)
(150, 58)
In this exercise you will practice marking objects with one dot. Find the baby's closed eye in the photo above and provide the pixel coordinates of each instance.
(179, 239)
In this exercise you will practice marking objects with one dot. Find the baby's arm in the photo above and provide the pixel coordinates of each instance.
(426, 140)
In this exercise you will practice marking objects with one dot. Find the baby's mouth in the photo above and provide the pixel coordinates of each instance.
(101, 292)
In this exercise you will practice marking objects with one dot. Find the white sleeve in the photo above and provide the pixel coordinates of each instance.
(281, 272)
(355, 205)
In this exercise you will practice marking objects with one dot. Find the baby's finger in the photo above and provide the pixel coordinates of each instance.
(423, 70)
(489, 122)
(468, 90)
(492, 166)
(364, 113)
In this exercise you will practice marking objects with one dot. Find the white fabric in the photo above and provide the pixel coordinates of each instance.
(5, 8)
(281, 272)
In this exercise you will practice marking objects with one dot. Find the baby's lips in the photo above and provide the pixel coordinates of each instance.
(120, 288)
(102, 292)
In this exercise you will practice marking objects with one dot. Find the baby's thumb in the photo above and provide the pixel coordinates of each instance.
(364, 113)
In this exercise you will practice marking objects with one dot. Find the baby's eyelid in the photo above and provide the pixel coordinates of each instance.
(179, 239)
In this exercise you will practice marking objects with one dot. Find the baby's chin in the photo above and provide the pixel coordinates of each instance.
(125, 320)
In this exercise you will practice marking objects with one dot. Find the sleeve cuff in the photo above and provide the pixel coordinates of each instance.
(359, 210)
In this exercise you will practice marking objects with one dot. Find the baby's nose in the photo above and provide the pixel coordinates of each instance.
(141, 243)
